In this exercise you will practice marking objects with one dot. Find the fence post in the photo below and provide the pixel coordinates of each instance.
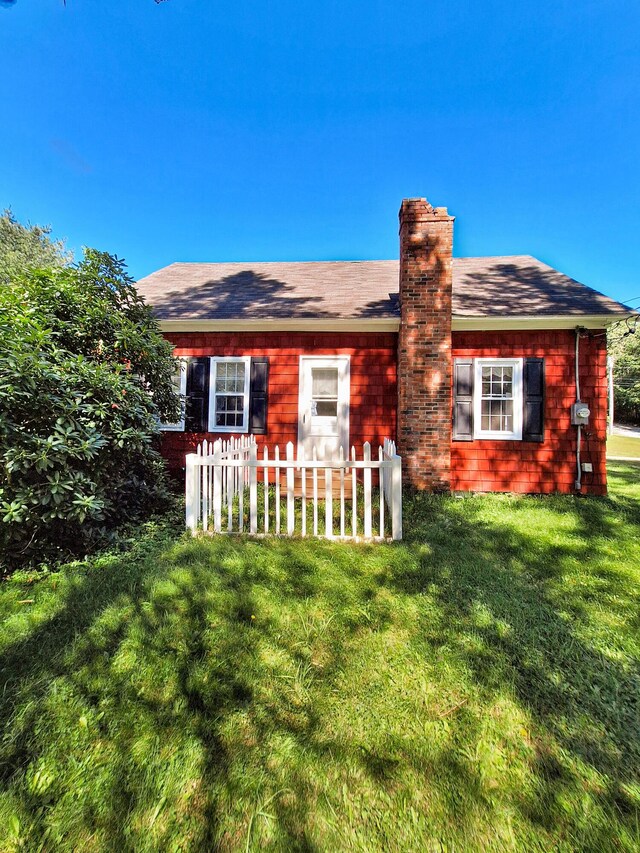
(266, 490)
(291, 518)
(396, 500)
(341, 491)
(217, 486)
(278, 472)
(367, 490)
(314, 456)
(328, 498)
(190, 494)
(253, 489)
(354, 496)
(303, 486)
(381, 485)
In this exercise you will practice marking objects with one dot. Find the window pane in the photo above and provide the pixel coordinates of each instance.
(324, 382)
(497, 415)
(230, 376)
(175, 379)
(326, 408)
(507, 415)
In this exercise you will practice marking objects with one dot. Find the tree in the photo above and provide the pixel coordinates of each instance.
(624, 346)
(27, 247)
(84, 377)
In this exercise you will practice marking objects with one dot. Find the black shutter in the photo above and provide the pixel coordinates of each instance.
(258, 396)
(533, 400)
(197, 404)
(463, 399)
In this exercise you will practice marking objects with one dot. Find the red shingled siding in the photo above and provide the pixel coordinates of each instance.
(549, 466)
(476, 465)
(373, 381)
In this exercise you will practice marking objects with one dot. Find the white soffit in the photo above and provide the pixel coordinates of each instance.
(540, 322)
(392, 324)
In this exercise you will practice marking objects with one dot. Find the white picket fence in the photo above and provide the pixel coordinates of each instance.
(333, 498)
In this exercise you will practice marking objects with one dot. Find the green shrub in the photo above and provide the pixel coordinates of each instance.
(84, 376)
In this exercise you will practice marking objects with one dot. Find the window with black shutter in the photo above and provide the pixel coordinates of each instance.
(498, 398)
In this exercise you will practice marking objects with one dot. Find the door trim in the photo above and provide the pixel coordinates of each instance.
(344, 393)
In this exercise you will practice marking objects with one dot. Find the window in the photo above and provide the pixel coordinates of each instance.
(179, 380)
(324, 392)
(229, 394)
(497, 398)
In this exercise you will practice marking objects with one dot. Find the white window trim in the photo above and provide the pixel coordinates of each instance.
(213, 366)
(478, 432)
(178, 426)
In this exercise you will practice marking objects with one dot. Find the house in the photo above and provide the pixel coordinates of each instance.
(473, 364)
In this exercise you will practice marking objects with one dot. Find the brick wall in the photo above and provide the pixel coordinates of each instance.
(550, 466)
(424, 344)
(373, 382)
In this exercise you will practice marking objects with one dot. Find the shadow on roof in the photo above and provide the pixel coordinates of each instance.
(537, 290)
(249, 295)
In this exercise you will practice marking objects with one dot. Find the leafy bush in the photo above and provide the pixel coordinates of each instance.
(84, 376)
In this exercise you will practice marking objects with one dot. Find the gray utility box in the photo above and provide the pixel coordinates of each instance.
(580, 414)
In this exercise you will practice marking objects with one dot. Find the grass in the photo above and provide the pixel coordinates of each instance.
(474, 687)
(623, 445)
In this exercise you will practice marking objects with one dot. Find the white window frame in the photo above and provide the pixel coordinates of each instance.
(517, 391)
(213, 368)
(178, 426)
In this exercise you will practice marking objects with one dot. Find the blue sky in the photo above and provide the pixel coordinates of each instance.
(211, 131)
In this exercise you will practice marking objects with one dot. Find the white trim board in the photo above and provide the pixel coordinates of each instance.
(516, 396)
(214, 361)
(392, 324)
(539, 322)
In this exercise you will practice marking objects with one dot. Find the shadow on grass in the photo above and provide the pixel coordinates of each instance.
(164, 651)
(495, 582)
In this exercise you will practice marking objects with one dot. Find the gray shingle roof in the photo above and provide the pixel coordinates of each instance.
(517, 285)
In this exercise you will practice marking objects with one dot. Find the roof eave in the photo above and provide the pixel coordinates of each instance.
(461, 323)
(284, 324)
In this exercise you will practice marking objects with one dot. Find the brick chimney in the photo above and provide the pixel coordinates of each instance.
(424, 344)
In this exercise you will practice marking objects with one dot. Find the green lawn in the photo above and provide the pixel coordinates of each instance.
(476, 687)
(623, 445)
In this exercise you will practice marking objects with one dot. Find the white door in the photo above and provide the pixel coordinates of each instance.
(323, 416)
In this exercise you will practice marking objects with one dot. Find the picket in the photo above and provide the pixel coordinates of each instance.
(266, 490)
(341, 493)
(224, 475)
(367, 491)
(253, 489)
(291, 518)
(315, 493)
(277, 475)
(303, 490)
(328, 503)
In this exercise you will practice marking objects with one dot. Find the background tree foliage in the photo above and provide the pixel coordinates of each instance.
(84, 376)
(27, 247)
(625, 349)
